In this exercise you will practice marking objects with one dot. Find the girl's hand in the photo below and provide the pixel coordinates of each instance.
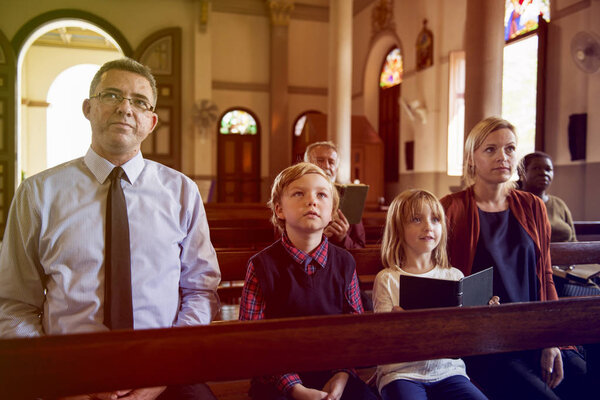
(494, 301)
(397, 308)
(335, 386)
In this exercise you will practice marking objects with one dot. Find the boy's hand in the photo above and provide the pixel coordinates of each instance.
(301, 392)
(338, 227)
(494, 301)
(335, 386)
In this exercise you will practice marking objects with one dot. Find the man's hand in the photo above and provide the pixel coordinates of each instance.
(129, 394)
(337, 228)
(552, 367)
(301, 392)
(335, 386)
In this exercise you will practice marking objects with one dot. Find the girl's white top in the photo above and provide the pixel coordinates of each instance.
(385, 295)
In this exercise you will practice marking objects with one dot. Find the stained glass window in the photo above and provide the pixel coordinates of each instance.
(521, 16)
(391, 73)
(238, 122)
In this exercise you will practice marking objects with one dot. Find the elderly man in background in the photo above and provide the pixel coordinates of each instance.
(339, 231)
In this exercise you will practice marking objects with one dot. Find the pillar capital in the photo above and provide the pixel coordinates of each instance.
(280, 11)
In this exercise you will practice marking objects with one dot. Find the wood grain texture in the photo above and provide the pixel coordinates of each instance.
(227, 351)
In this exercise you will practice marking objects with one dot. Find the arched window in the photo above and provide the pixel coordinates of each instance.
(390, 78)
(391, 72)
(525, 32)
(238, 165)
(238, 122)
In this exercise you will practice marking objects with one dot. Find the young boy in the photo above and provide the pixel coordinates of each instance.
(303, 274)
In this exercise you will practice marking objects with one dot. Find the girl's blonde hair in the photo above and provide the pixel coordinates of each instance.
(403, 208)
(289, 175)
(475, 139)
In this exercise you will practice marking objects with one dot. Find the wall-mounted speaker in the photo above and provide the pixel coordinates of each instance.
(577, 136)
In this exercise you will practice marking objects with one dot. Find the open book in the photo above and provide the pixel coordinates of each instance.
(580, 273)
(472, 290)
(352, 200)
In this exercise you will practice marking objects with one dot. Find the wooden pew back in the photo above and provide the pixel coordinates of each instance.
(85, 363)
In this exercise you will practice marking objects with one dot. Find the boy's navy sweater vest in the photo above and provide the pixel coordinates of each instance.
(289, 292)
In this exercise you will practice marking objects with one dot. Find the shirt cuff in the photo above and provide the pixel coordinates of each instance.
(287, 381)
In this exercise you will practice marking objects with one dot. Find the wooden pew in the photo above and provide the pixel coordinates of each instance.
(587, 230)
(84, 363)
(255, 238)
(368, 262)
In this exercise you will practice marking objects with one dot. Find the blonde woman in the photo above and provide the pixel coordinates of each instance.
(492, 224)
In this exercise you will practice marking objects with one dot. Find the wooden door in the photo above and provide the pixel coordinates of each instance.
(238, 168)
(389, 123)
(8, 151)
(161, 51)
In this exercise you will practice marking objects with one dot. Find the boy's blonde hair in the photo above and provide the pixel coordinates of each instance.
(403, 208)
(475, 139)
(286, 177)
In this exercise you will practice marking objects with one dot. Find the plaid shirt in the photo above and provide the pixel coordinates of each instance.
(252, 306)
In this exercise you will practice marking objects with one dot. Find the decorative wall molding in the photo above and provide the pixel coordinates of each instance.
(280, 11)
(316, 91)
(241, 86)
(565, 12)
(264, 87)
(34, 103)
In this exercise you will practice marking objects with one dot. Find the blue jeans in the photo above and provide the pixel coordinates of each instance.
(455, 387)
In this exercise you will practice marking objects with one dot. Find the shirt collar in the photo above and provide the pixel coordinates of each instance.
(101, 167)
(318, 255)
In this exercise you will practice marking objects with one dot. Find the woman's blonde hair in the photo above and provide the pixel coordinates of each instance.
(289, 175)
(403, 208)
(475, 139)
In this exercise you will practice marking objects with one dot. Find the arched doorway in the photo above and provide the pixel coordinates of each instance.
(390, 78)
(300, 138)
(238, 162)
(53, 85)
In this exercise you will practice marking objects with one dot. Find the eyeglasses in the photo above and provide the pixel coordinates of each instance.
(114, 99)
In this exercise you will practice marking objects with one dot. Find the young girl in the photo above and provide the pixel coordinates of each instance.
(414, 243)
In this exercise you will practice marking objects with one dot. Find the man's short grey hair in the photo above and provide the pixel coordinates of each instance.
(311, 146)
(125, 64)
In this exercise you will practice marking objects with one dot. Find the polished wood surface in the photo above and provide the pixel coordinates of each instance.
(227, 351)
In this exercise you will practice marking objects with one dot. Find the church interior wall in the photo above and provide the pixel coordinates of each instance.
(238, 50)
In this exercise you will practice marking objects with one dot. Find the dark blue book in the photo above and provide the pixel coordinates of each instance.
(473, 290)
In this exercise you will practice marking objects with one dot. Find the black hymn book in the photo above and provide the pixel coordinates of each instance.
(473, 290)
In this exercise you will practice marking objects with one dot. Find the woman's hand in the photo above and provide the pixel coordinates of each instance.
(494, 301)
(552, 367)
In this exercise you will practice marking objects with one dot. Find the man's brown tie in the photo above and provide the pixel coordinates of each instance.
(118, 312)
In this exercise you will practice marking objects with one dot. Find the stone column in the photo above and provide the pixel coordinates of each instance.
(484, 43)
(340, 82)
(280, 138)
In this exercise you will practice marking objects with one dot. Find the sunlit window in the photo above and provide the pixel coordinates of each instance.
(391, 73)
(238, 122)
(69, 132)
(519, 90)
(456, 113)
(521, 16)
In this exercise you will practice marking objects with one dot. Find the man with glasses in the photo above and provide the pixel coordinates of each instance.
(110, 240)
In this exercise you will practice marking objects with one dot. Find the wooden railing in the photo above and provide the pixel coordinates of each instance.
(85, 363)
